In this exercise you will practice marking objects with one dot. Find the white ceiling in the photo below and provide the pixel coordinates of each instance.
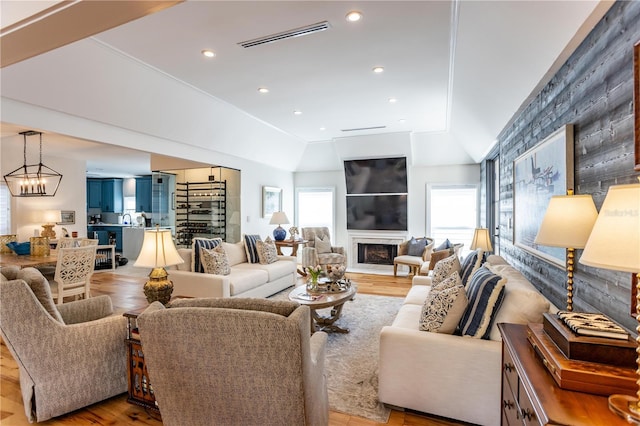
(459, 70)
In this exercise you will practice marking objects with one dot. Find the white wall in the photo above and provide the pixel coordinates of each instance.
(418, 177)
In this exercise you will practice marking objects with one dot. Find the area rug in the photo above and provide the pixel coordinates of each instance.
(352, 358)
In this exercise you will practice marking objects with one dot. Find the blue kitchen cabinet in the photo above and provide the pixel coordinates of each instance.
(94, 193)
(112, 201)
(143, 194)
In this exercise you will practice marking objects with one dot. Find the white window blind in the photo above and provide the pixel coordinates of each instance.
(315, 208)
(452, 213)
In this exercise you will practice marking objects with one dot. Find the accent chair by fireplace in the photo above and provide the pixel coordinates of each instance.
(413, 253)
(319, 250)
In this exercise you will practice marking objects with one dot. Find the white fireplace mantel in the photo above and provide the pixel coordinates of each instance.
(371, 237)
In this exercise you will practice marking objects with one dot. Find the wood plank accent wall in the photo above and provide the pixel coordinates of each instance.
(594, 91)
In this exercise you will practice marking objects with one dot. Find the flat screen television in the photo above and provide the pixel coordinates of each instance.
(377, 212)
(376, 176)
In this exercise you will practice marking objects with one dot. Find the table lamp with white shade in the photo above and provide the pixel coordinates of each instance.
(567, 223)
(614, 244)
(157, 252)
(279, 218)
(481, 240)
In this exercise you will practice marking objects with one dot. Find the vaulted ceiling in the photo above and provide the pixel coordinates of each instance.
(457, 71)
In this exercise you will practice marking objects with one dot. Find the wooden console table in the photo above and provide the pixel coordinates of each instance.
(530, 396)
(140, 391)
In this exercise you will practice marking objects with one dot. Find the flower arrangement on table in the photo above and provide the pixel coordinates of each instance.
(314, 272)
(293, 231)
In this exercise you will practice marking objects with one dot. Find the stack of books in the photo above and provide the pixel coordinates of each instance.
(593, 324)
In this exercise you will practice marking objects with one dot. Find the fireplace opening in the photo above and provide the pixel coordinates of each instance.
(377, 254)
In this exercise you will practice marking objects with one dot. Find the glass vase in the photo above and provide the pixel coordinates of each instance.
(312, 285)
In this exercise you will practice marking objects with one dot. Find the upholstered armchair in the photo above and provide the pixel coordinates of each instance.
(237, 361)
(69, 356)
(413, 253)
(321, 251)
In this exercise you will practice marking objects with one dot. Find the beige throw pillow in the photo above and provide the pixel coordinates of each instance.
(323, 245)
(444, 306)
(267, 252)
(215, 261)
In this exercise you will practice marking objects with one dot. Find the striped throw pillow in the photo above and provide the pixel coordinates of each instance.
(470, 265)
(196, 243)
(251, 247)
(485, 293)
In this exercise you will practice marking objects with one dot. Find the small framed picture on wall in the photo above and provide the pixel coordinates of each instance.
(271, 200)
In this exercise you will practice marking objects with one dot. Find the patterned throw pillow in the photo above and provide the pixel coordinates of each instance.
(215, 261)
(437, 256)
(485, 292)
(443, 309)
(267, 252)
(470, 265)
(197, 243)
(251, 248)
(451, 281)
(416, 247)
(322, 245)
(444, 268)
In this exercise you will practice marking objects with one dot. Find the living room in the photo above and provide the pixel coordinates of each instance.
(601, 111)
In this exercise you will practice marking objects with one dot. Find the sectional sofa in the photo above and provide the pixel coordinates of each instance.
(450, 375)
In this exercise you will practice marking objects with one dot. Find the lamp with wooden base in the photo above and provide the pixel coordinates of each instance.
(614, 244)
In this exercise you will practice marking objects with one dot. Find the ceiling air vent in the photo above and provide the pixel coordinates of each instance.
(363, 128)
(297, 32)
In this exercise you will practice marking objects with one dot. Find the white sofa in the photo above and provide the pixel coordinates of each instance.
(245, 280)
(449, 375)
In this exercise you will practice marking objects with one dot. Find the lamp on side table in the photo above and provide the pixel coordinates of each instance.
(614, 244)
(157, 252)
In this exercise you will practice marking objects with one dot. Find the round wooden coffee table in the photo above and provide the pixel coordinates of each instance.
(316, 301)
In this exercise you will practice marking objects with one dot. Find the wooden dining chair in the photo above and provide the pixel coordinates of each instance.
(74, 269)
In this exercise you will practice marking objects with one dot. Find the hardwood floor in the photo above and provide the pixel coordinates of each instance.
(126, 293)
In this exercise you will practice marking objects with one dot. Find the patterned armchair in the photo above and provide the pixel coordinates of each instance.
(69, 356)
(236, 361)
(323, 253)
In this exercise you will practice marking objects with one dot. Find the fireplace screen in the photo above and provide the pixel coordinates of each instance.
(377, 254)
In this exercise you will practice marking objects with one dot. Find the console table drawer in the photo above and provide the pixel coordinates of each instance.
(530, 396)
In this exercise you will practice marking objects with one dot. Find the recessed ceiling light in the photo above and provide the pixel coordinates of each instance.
(323, 128)
(208, 53)
(392, 100)
(378, 70)
(263, 90)
(296, 112)
(402, 120)
(354, 16)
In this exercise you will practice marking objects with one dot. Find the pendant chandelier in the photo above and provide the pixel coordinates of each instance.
(33, 180)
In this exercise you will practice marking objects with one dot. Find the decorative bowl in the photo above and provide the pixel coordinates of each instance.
(335, 273)
(20, 248)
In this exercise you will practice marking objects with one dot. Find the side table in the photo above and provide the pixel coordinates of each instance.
(140, 390)
(293, 244)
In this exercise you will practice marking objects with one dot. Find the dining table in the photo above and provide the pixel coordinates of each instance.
(27, 260)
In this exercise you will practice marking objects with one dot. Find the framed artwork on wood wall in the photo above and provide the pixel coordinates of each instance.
(271, 200)
(540, 173)
(636, 103)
